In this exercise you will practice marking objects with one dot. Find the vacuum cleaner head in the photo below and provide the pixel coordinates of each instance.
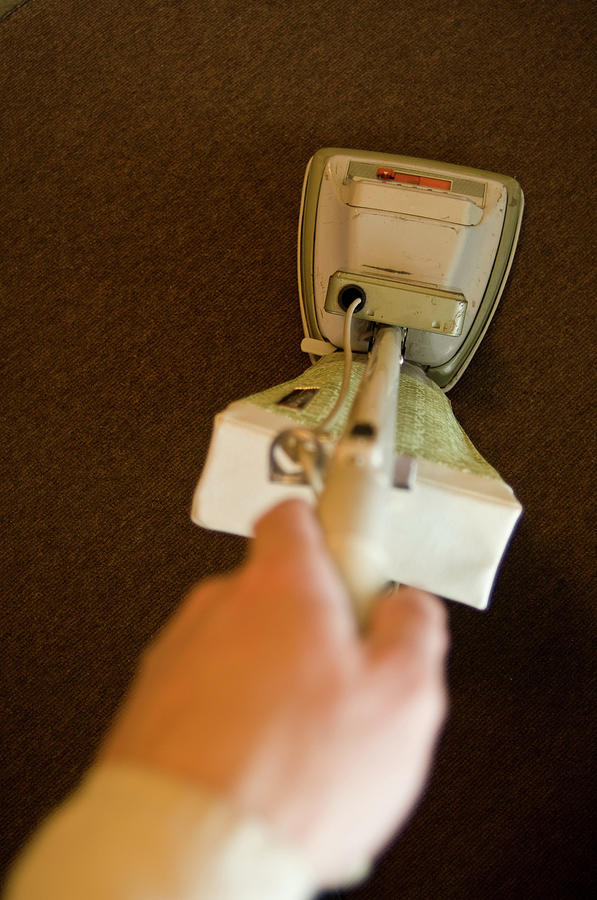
(423, 245)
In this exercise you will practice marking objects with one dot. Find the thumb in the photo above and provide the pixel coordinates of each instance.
(289, 529)
(408, 626)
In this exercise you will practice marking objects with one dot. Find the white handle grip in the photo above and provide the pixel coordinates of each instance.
(351, 511)
(353, 503)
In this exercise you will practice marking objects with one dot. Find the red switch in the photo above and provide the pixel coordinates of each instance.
(386, 174)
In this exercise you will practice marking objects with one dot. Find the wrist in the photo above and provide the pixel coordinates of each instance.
(129, 831)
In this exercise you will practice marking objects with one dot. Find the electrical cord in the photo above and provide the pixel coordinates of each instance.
(329, 420)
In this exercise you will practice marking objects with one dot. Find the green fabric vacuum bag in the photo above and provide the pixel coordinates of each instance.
(426, 425)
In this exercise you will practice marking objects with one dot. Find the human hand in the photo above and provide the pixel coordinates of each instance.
(262, 689)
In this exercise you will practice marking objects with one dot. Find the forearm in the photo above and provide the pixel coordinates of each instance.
(131, 834)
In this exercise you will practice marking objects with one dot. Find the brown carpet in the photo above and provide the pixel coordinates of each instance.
(152, 161)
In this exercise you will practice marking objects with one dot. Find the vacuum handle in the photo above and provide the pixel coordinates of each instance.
(354, 501)
(351, 511)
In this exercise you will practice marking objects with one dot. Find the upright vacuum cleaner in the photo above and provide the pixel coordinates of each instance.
(401, 265)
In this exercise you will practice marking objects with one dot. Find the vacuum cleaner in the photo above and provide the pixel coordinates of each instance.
(401, 265)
